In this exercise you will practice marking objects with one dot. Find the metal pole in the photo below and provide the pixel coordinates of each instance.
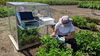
(9, 21)
(47, 29)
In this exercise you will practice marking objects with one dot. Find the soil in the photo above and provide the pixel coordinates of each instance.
(6, 46)
(73, 10)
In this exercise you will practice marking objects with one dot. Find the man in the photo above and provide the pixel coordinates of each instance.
(64, 28)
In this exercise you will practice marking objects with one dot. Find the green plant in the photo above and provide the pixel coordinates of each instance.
(80, 53)
(93, 20)
(88, 42)
(51, 2)
(79, 21)
(57, 2)
(86, 23)
(54, 52)
(28, 36)
(50, 47)
(89, 4)
(2, 2)
(91, 26)
(4, 11)
(49, 42)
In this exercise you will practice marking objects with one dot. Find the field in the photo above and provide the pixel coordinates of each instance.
(9, 51)
(87, 28)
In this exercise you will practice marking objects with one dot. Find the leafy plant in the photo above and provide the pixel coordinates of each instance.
(88, 41)
(4, 11)
(51, 2)
(79, 21)
(80, 53)
(93, 20)
(85, 23)
(89, 4)
(28, 36)
(50, 47)
(57, 2)
(91, 26)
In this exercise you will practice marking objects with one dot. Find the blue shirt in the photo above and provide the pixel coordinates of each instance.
(64, 30)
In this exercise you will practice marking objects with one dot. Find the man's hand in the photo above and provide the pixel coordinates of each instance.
(65, 37)
(52, 35)
(70, 36)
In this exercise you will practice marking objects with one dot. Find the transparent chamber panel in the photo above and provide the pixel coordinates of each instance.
(41, 11)
(28, 36)
(12, 23)
(23, 28)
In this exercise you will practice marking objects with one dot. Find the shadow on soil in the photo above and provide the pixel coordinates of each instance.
(26, 52)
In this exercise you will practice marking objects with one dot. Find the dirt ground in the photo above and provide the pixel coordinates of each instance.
(73, 10)
(6, 46)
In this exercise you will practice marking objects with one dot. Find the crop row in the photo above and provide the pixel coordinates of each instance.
(4, 11)
(85, 23)
(82, 4)
(87, 41)
(89, 4)
(57, 2)
(52, 2)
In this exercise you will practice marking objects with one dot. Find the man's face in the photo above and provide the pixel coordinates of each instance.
(65, 22)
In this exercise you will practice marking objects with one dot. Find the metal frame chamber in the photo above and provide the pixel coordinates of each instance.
(27, 22)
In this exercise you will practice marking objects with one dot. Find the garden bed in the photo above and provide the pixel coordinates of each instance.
(6, 48)
(88, 45)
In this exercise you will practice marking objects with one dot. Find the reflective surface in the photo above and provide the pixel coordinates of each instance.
(25, 3)
(35, 15)
(27, 37)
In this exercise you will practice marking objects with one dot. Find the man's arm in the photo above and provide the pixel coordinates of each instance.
(55, 29)
(54, 32)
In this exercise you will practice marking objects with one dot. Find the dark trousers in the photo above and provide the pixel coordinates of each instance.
(71, 41)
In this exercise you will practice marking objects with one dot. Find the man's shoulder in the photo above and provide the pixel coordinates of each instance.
(58, 24)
